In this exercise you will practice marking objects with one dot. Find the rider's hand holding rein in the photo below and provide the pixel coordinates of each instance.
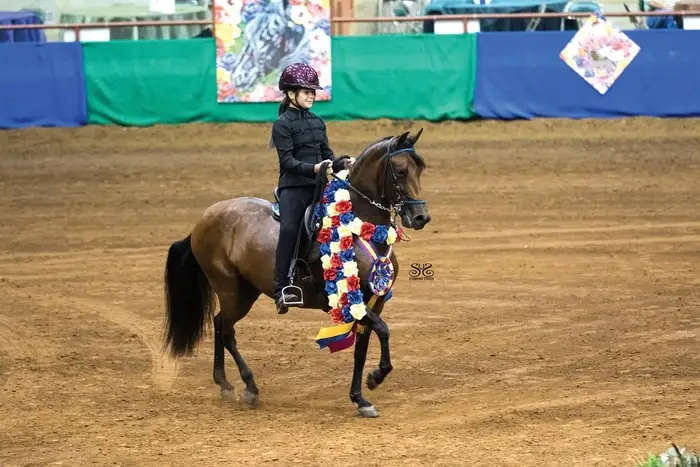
(341, 163)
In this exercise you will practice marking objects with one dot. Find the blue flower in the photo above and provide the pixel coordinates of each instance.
(331, 287)
(320, 210)
(380, 234)
(332, 187)
(347, 255)
(325, 249)
(355, 297)
(347, 317)
(336, 184)
(335, 236)
(339, 274)
(347, 217)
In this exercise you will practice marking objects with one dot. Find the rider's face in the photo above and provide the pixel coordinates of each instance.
(306, 98)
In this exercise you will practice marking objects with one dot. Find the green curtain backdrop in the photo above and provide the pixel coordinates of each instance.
(173, 81)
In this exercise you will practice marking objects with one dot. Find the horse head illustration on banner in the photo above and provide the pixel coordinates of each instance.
(272, 41)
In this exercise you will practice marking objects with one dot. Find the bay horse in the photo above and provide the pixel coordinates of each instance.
(230, 253)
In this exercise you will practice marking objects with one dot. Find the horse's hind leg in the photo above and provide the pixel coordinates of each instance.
(227, 390)
(234, 307)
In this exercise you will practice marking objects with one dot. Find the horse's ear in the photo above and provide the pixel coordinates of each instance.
(414, 139)
(402, 139)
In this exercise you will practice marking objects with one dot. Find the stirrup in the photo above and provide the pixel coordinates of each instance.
(296, 291)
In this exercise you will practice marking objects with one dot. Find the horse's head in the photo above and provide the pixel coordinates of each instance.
(389, 171)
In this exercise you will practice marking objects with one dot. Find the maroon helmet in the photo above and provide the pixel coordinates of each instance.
(299, 75)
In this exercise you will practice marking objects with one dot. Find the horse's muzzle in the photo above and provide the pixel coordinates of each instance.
(419, 221)
(416, 221)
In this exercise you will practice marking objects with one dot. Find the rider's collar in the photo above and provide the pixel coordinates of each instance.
(300, 112)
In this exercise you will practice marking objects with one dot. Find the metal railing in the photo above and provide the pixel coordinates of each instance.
(76, 27)
(465, 18)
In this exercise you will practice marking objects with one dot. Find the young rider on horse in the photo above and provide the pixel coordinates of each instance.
(302, 145)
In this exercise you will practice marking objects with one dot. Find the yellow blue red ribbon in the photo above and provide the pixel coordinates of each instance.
(342, 336)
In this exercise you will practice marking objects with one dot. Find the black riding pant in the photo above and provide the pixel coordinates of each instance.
(293, 203)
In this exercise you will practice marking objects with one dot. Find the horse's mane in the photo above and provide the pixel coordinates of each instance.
(381, 146)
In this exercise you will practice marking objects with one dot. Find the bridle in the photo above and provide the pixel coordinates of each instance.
(400, 197)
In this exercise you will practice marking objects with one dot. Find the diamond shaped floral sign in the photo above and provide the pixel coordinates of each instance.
(599, 53)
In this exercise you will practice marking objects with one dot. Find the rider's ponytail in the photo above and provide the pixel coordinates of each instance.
(284, 105)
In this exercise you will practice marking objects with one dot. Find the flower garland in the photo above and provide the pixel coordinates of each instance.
(336, 239)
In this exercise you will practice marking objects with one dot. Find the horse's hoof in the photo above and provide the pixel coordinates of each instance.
(228, 394)
(367, 412)
(371, 382)
(250, 398)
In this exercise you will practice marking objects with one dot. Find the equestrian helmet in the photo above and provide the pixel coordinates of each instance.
(299, 75)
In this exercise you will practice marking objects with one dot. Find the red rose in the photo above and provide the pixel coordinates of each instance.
(337, 315)
(366, 231)
(324, 236)
(335, 221)
(353, 283)
(346, 242)
(399, 234)
(329, 274)
(344, 299)
(343, 206)
(336, 262)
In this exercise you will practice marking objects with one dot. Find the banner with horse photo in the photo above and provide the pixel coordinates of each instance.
(257, 39)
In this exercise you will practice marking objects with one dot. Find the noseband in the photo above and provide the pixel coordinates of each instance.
(400, 197)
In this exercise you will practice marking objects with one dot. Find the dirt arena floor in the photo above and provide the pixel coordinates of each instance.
(561, 327)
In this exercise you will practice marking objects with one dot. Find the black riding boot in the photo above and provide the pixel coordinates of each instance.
(293, 203)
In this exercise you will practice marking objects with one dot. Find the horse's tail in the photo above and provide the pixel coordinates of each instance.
(188, 299)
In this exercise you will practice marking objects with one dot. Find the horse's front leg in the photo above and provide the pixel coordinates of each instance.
(376, 377)
(364, 407)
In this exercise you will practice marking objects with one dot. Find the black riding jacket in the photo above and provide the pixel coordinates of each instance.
(301, 141)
